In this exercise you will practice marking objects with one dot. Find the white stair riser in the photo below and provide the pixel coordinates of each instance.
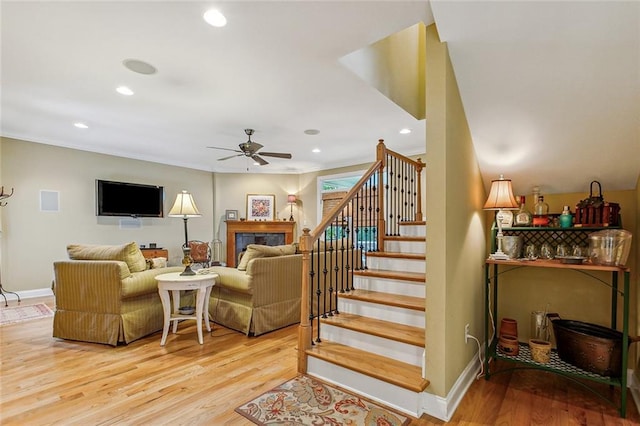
(373, 344)
(394, 264)
(414, 247)
(382, 312)
(401, 399)
(384, 285)
(413, 230)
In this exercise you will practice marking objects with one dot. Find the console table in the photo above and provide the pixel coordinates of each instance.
(150, 253)
(258, 228)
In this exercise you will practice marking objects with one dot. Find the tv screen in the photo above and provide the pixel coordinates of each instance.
(129, 199)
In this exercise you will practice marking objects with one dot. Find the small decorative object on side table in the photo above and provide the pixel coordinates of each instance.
(174, 282)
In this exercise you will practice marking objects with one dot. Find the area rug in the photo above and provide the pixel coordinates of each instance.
(308, 401)
(14, 314)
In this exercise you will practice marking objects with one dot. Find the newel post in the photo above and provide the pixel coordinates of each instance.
(381, 156)
(304, 329)
(419, 166)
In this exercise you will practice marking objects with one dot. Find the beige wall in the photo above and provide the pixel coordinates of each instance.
(231, 191)
(32, 240)
(455, 226)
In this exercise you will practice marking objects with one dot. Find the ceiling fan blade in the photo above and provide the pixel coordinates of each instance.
(259, 160)
(226, 149)
(276, 154)
(231, 156)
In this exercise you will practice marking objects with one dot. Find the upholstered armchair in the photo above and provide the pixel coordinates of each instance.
(106, 294)
(262, 294)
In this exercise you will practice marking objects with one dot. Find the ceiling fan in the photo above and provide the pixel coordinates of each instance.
(250, 149)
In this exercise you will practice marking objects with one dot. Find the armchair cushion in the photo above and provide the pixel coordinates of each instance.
(129, 253)
(256, 250)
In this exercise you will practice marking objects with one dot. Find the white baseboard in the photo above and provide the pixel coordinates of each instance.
(444, 407)
(29, 294)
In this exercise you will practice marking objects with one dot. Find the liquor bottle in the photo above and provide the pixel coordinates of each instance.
(541, 212)
(523, 216)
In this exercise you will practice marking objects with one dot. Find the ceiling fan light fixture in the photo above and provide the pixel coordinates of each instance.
(80, 125)
(215, 18)
(315, 150)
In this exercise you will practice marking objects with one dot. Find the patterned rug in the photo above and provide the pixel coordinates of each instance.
(14, 314)
(307, 401)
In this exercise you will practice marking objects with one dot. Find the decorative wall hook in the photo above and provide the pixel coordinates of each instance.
(4, 195)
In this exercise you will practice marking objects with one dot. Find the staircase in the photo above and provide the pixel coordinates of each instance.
(374, 345)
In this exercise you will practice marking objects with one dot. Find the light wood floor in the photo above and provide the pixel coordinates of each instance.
(51, 381)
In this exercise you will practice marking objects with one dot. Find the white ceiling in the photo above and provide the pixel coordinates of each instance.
(551, 89)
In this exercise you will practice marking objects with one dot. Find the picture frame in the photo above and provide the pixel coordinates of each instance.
(231, 214)
(261, 206)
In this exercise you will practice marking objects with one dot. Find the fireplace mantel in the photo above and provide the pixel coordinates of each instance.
(254, 227)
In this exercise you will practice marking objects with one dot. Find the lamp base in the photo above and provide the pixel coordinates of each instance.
(499, 255)
(291, 218)
(187, 261)
(187, 271)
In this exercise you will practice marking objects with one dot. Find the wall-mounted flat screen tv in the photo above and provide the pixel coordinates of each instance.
(128, 199)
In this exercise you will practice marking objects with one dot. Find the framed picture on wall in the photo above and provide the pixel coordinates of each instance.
(231, 214)
(261, 207)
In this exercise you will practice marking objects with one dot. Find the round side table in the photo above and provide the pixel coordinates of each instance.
(174, 282)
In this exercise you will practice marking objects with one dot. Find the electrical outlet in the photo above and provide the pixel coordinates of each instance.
(466, 333)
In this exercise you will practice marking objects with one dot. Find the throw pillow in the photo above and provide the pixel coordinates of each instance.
(128, 253)
(256, 250)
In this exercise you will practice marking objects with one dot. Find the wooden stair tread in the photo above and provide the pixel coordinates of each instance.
(395, 255)
(388, 370)
(401, 238)
(398, 300)
(413, 222)
(386, 329)
(395, 275)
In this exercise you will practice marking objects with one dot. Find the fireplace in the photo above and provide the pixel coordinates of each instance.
(242, 233)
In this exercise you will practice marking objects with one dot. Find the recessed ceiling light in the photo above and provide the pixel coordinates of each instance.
(405, 131)
(315, 150)
(139, 66)
(80, 125)
(311, 132)
(124, 90)
(214, 18)
(255, 163)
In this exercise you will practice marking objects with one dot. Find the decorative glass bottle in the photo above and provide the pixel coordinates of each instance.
(541, 212)
(566, 218)
(523, 216)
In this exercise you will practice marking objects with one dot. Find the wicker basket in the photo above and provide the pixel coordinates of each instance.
(540, 350)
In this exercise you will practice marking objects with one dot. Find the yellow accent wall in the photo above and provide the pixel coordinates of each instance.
(571, 294)
(395, 66)
(455, 225)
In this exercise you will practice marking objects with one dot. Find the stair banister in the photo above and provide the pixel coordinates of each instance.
(408, 196)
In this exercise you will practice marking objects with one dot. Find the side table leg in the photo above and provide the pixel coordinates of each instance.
(176, 307)
(199, 309)
(166, 308)
(206, 307)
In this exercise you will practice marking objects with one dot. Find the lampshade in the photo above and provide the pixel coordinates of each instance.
(291, 199)
(501, 195)
(184, 206)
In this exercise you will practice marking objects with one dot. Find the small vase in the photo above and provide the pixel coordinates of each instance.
(509, 326)
(508, 345)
